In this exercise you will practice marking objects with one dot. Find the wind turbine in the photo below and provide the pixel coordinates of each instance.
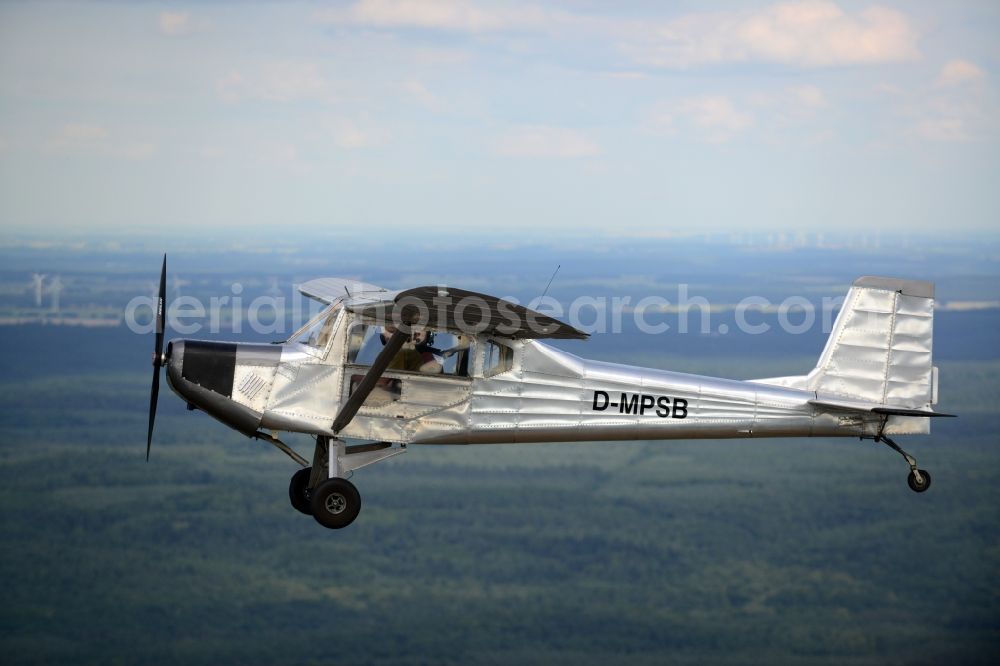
(55, 288)
(38, 281)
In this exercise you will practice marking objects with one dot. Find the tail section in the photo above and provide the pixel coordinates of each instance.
(880, 347)
(879, 351)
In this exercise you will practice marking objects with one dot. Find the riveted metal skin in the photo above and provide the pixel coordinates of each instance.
(879, 354)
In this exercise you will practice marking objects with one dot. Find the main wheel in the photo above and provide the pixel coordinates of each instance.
(335, 503)
(922, 485)
(299, 492)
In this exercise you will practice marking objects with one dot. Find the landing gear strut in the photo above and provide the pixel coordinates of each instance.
(321, 491)
(333, 500)
(919, 480)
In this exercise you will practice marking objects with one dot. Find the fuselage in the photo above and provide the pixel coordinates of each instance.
(536, 394)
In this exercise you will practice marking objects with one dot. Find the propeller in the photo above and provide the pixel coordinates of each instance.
(161, 314)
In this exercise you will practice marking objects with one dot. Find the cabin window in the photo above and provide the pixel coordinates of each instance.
(498, 358)
(363, 344)
(427, 352)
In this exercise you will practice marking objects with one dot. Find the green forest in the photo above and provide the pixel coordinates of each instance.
(752, 551)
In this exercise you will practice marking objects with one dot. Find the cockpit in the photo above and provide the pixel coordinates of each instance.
(426, 351)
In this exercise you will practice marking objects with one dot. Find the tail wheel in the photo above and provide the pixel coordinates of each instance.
(335, 503)
(919, 486)
(299, 492)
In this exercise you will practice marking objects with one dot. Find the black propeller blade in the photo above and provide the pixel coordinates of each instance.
(161, 314)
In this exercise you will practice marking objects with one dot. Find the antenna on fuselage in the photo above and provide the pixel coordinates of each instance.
(550, 282)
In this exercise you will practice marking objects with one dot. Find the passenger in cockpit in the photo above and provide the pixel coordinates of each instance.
(461, 351)
(418, 353)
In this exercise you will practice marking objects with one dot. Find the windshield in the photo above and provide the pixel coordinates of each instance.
(317, 332)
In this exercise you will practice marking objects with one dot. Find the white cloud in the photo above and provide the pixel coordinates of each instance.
(230, 87)
(942, 128)
(660, 119)
(809, 97)
(960, 106)
(546, 141)
(136, 150)
(179, 24)
(715, 116)
(348, 134)
(812, 33)
(82, 132)
(793, 104)
(957, 72)
(718, 118)
(278, 154)
(97, 139)
(806, 33)
(78, 135)
(284, 81)
(452, 15)
(424, 97)
(962, 117)
(889, 89)
(627, 75)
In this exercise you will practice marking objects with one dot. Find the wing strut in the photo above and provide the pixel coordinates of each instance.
(357, 398)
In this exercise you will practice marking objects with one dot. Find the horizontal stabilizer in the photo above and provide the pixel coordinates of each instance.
(874, 408)
(909, 412)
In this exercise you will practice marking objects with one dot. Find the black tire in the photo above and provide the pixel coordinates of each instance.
(919, 487)
(299, 493)
(335, 503)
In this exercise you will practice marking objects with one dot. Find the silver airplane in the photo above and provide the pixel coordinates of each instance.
(437, 365)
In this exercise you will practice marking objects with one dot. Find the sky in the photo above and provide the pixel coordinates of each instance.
(510, 119)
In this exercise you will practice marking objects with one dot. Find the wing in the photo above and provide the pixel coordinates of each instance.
(464, 311)
(332, 289)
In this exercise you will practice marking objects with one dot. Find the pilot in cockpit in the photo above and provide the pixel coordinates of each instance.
(417, 354)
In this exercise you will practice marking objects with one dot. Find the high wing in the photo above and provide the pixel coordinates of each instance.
(457, 310)
(466, 312)
(334, 289)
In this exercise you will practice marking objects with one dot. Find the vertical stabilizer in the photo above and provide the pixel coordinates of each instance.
(880, 347)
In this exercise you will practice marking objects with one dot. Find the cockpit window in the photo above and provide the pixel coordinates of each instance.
(364, 344)
(427, 351)
(316, 333)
